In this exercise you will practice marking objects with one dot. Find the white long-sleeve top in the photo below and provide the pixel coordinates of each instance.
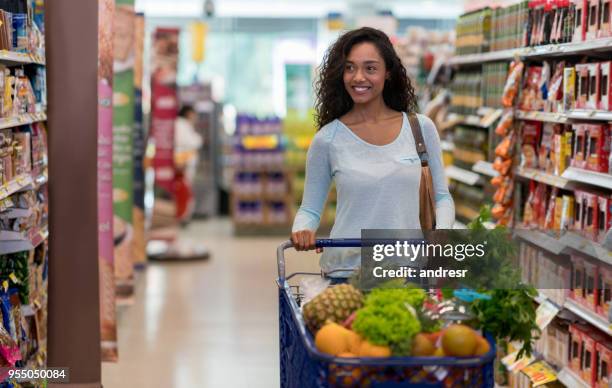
(377, 186)
(186, 138)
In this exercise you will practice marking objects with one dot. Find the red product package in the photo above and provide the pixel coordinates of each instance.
(604, 216)
(591, 296)
(605, 24)
(604, 286)
(594, 86)
(531, 96)
(580, 20)
(589, 362)
(598, 147)
(542, 205)
(546, 150)
(578, 279)
(590, 211)
(579, 202)
(580, 142)
(575, 348)
(593, 21)
(604, 358)
(530, 140)
(555, 90)
(605, 101)
(583, 76)
(512, 83)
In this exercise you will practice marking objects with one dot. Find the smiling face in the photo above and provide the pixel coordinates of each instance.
(364, 73)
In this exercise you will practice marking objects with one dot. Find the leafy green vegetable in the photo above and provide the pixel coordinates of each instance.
(510, 316)
(389, 325)
(383, 297)
(389, 317)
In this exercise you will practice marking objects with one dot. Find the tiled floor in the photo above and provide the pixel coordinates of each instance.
(205, 324)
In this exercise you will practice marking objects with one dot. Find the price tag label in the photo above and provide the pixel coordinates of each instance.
(14, 278)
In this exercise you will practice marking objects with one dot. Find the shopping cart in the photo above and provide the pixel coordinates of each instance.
(303, 366)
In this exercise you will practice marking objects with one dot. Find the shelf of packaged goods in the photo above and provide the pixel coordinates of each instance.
(541, 176)
(25, 119)
(551, 50)
(12, 58)
(570, 379)
(12, 242)
(588, 315)
(16, 184)
(587, 247)
(464, 176)
(485, 118)
(485, 168)
(588, 177)
(542, 240)
(548, 117)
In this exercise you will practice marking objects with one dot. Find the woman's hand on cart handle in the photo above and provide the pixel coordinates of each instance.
(305, 240)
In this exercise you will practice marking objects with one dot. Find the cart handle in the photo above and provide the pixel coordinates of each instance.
(319, 243)
(327, 243)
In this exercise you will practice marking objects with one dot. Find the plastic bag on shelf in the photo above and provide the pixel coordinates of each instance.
(512, 83)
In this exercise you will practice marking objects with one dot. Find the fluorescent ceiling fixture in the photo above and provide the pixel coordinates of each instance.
(426, 9)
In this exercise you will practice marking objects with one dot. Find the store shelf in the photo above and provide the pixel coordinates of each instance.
(579, 114)
(485, 118)
(485, 168)
(17, 184)
(25, 119)
(586, 246)
(541, 176)
(588, 177)
(12, 242)
(588, 315)
(542, 240)
(570, 379)
(548, 117)
(551, 50)
(491, 56)
(459, 225)
(461, 175)
(11, 58)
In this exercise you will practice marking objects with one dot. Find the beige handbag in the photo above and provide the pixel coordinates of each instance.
(427, 204)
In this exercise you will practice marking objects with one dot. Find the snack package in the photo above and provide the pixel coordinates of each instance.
(605, 102)
(605, 290)
(580, 15)
(512, 83)
(502, 166)
(604, 359)
(594, 86)
(592, 27)
(505, 123)
(578, 281)
(583, 76)
(569, 88)
(530, 138)
(503, 194)
(598, 147)
(604, 216)
(605, 23)
(555, 91)
(531, 94)
(505, 148)
(567, 213)
(590, 289)
(545, 157)
(549, 219)
(498, 180)
(590, 222)
(588, 357)
(580, 143)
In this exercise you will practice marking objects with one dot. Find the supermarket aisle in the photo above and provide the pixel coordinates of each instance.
(203, 324)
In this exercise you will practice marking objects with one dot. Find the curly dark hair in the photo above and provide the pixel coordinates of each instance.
(332, 99)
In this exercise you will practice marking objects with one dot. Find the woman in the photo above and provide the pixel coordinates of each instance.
(365, 144)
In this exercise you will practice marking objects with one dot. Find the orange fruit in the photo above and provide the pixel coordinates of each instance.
(459, 341)
(346, 354)
(439, 352)
(367, 349)
(354, 341)
(482, 346)
(332, 339)
(422, 346)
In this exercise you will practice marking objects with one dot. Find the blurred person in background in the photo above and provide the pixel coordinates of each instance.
(187, 144)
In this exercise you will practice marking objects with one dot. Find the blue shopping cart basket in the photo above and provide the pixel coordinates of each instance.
(303, 366)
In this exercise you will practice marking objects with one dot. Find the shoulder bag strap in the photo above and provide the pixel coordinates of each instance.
(418, 139)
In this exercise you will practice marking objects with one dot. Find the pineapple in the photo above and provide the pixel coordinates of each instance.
(335, 304)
